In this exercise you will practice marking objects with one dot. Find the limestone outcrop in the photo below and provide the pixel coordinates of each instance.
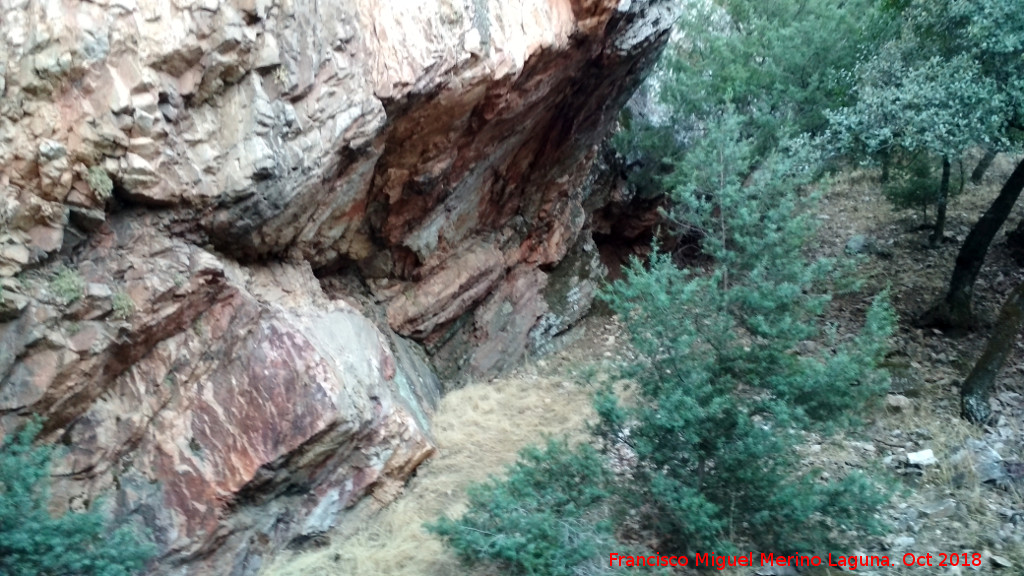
(180, 180)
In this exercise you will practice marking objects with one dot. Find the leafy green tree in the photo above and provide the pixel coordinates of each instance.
(939, 107)
(953, 78)
(34, 543)
(781, 64)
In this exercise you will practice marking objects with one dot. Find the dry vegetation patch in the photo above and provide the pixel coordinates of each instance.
(479, 428)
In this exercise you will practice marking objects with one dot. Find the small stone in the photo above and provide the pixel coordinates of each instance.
(138, 172)
(17, 253)
(922, 434)
(922, 458)
(51, 150)
(897, 402)
(1000, 562)
(807, 347)
(87, 219)
(985, 460)
(11, 305)
(941, 509)
(990, 472)
(903, 542)
(269, 54)
(169, 112)
(473, 43)
(98, 290)
(857, 244)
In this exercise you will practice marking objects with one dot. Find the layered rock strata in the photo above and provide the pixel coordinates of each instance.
(179, 176)
(227, 408)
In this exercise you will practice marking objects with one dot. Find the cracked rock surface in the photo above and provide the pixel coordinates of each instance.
(179, 181)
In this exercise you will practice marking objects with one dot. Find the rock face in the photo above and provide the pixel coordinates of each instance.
(228, 408)
(201, 167)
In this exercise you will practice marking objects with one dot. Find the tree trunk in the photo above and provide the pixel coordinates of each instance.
(1015, 243)
(886, 165)
(940, 207)
(983, 165)
(954, 311)
(976, 389)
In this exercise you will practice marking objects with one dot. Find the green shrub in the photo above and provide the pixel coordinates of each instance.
(33, 543)
(123, 306)
(914, 182)
(67, 285)
(721, 388)
(647, 152)
(544, 519)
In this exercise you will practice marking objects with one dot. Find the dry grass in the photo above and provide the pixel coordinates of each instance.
(479, 428)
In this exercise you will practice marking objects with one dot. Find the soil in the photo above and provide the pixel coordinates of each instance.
(943, 507)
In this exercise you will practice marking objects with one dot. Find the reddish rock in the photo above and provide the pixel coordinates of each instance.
(419, 308)
(230, 423)
(202, 375)
(339, 133)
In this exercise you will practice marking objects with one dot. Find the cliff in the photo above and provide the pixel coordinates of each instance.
(239, 238)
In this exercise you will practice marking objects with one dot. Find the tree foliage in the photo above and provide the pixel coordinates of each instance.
(34, 543)
(781, 64)
(938, 106)
(720, 385)
(951, 79)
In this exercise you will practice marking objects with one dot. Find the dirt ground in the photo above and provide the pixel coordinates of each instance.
(943, 507)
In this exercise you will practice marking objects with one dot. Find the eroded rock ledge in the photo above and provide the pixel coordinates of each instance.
(202, 167)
